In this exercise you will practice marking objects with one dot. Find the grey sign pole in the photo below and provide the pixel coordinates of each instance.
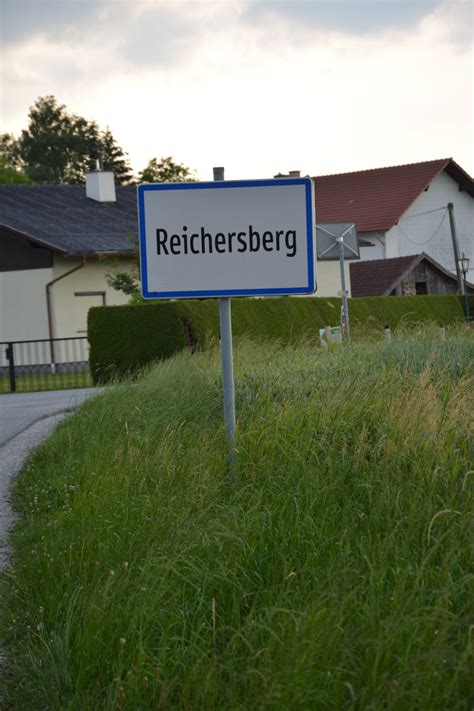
(227, 360)
(345, 306)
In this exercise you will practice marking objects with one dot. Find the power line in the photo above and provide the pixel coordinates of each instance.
(418, 244)
(418, 214)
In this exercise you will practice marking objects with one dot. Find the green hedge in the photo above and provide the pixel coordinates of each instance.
(124, 338)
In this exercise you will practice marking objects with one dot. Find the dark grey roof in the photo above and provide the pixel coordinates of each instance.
(63, 218)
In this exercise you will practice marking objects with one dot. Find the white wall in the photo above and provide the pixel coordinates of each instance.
(23, 313)
(328, 278)
(431, 233)
(70, 310)
(378, 248)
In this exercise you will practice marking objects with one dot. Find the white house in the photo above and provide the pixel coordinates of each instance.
(54, 244)
(403, 210)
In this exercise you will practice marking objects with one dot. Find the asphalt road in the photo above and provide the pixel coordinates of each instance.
(20, 410)
(26, 419)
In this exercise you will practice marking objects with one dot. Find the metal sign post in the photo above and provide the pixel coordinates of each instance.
(338, 240)
(227, 361)
(345, 306)
(221, 239)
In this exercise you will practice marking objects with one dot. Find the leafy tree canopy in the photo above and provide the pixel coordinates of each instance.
(59, 147)
(9, 162)
(166, 170)
(10, 175)
(9, 151)
(114, 158)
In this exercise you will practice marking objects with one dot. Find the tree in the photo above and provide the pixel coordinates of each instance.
(59, 147)
(166, 171)
(9, 151)
(114, 158)
(126, 282)
(9, 161)
(10, 176)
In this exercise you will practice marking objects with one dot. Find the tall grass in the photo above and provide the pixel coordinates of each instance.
(336, 574)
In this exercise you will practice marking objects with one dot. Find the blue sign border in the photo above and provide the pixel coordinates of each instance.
(222, 185)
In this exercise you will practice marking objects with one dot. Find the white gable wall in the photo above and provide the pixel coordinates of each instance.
(23, 313)
(377, 250)
(431, 233)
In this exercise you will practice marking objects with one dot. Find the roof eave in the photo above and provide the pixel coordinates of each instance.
(69, 254)
(101, 253)
(41, 242)
(463, 179)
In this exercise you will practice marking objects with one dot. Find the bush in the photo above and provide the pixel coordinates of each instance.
(126, 338)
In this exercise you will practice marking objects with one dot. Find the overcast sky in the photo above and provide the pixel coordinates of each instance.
(258, 86)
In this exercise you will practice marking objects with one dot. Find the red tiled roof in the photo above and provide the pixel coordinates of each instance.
(375, 199)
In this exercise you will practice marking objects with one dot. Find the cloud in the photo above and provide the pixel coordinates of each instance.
(198, 81)
(145, 33)
(161, 33)
(23, 20)
(158, 37)
(453, 19)
(349, 16)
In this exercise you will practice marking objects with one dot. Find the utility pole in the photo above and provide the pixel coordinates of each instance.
(454, 238)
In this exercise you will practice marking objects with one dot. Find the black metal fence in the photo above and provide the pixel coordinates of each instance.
(47, 364)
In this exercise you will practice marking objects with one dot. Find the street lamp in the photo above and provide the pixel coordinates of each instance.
(464, 266)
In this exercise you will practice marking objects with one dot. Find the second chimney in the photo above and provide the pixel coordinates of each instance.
(291, 174)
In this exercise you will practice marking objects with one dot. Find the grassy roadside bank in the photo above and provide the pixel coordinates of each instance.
(338, 574)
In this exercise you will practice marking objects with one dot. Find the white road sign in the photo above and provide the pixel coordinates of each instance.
(229, 238)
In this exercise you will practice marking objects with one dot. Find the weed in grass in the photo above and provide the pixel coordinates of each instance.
(337, 574)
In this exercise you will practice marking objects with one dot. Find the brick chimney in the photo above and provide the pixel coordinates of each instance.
(100, 185)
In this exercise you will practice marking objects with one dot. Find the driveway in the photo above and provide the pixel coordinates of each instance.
(18, 411)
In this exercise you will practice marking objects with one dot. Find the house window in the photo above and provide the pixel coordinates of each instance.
(84, 301)
(421, 288)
